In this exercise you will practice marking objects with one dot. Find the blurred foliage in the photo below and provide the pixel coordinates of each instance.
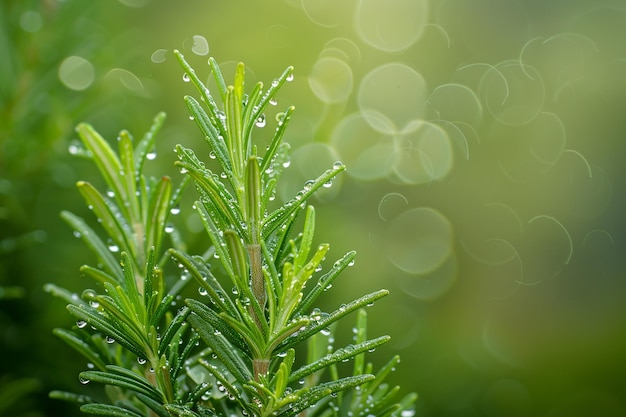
(497, 164)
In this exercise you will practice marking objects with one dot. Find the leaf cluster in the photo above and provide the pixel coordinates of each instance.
(254, 342)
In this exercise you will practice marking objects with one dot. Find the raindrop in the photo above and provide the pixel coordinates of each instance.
(202, 291)
(83, 381)
(273, 101)
(260, 121)
(289, 78)
(113, 247)
(325, 332)
(212, 155)
(76, 233)
(175, 210)
(186, 78)
(81, 324)
(109, 339)
(151, 156)
(141, 361)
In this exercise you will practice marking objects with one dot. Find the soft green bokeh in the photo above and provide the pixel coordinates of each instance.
(484, 141)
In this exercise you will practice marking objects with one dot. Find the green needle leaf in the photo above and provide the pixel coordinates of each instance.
(107, 410)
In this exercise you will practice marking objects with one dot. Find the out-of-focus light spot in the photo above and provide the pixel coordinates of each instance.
(342, 48)
(159, 56)
(493, 344)
(31, 21)
(393, 90)
(391, 26)
(423, 153)
(331, 80)
(126, 78)
(474, 23)
(513, 93)
(434, 284)
(391, 205)
(308, 162)
(278, 36)
(200, 45)
(76, 73)
(366, 152)
(326, 13)
(419, 240)
(454, 103)
(134, 3)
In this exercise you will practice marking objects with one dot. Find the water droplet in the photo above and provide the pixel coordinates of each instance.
(192, 118)
(183, 170)
(81, 324)
(260, 121)
(186, 77)
(338, 165)
(328, 184)
(141, 361)
(286, 164)
(113, 247)
(212, 155)
(109, 339)
(110, 194)
(76, 233)
(273, 101)
(325, 332)
(289, 77)
(202, 291)
(175, 210)
(151, 156)
(83, 381)
(75, 148)
(351, 263)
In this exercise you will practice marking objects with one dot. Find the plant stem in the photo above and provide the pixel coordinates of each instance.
(256, 278)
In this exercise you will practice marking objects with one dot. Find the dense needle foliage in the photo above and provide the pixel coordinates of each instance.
(254, 342)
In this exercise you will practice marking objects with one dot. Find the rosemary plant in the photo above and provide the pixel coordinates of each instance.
(254, 342)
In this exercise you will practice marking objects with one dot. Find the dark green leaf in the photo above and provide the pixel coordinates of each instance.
(107, 410)
(332, 317)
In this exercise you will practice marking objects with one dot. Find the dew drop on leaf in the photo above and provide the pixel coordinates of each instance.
(260, 121)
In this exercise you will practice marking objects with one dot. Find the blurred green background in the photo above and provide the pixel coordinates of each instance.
(485, 144)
